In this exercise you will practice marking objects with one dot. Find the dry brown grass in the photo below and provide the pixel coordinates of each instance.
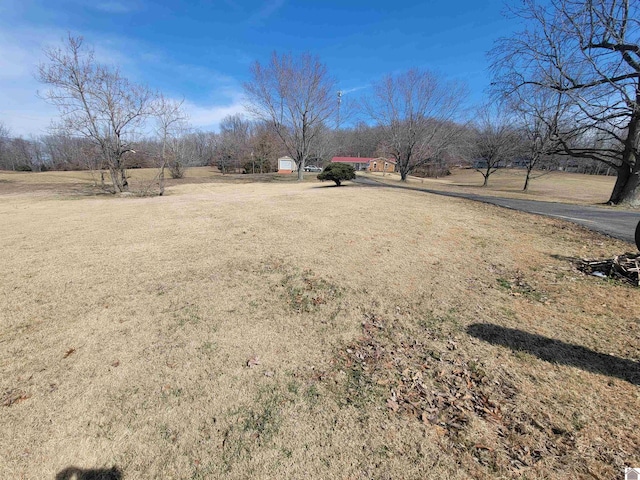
(551, 187)
(142, 181)
(380, 334)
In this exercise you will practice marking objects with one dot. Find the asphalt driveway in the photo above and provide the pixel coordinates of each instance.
(616, 223)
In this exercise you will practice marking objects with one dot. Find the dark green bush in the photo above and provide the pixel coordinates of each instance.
(337, 172)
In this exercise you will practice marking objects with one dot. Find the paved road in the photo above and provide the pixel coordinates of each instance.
(615, 223)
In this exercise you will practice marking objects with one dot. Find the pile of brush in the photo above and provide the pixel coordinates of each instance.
(625, 268)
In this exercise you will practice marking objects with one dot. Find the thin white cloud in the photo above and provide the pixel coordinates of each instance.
(12, 61)
(26, 114)
(116, 7)
(354, 89)
(268, 8)
(22, 49)
(202, 75)
(208, 117)
(20, 108)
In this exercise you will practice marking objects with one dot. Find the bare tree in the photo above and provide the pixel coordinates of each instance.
(589, 51)
(21, 154)
(202, 147)
(6, 162)
(233, 147)
(414, 111)
(183, 154)
(264, 150)
(541, 116)
(359, 141)
(28, 154)
(296, 97)
(72, 153)
(496, 142)
(171, 127)
(325, 148)
(97, 102)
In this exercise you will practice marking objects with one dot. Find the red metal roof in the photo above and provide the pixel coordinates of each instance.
(359, 159)
(351, 159)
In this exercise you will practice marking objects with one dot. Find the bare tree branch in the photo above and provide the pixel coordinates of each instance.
(589, 51)
(95, 101)
(296, 97)
(415, 112)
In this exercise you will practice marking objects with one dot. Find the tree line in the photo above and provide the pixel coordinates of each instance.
(565, 94)
(249, 146)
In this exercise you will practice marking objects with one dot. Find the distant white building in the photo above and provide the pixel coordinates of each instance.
(286, 165)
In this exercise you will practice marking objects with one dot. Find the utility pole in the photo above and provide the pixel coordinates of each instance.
(339, 103)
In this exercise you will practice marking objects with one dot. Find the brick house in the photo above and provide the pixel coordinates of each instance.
(361, 164)
(382, 165)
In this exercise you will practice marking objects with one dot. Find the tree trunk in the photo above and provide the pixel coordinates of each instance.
(627, 189)
(486, 176)
(115, 180)
(161, 180)
(125, 183)
(630, 194)
(526, 180)
(301, 171)
(623, 174)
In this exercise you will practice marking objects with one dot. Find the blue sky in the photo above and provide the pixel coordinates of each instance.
(201, 50)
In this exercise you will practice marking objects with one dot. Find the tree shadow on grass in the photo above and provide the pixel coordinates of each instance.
(75, 473)
(333, 185)
(556, 351)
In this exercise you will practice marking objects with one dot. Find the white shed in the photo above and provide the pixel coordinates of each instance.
(286, 165)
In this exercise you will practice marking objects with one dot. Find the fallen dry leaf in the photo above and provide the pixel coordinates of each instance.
(14, 398)
(392, 405)
(483, 447)
(253, 361)
(428, 419)
(440, 431)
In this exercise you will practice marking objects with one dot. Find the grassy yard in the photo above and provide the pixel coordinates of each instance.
(285, 330)
(550, 187)
(84, 183)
